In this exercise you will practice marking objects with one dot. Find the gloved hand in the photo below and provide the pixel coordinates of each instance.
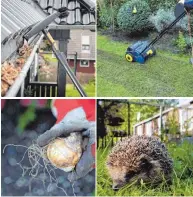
(74, 121)
(87, 161)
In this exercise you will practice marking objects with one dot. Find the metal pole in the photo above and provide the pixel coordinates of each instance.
(129, 119)
(62, 59)
(75, 63)
(160, 129)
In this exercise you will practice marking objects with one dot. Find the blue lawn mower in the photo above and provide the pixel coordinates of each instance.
(142, 50)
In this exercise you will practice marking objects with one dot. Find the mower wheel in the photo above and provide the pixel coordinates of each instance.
(129, 57)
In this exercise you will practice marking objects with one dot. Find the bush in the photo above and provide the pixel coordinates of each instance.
(107, 13)
(156, 4)
(164, 17)
(181, 42)
(134, 22)
(189, 41)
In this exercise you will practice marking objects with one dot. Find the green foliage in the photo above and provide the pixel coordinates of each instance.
(182, 179)
(181, 42)
(49, 59)
(189, 40)
(172, 124)
(107, 13)
(107, 17)
(163, 17)
(71, 91)
(145, 111)
(156, 4)
(132, 22)
(183, 159)
(27, 117)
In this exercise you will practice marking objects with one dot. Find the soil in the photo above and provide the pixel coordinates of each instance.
(165, 43)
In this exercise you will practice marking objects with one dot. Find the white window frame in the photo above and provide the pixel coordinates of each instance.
(84, 66)
(85, 43)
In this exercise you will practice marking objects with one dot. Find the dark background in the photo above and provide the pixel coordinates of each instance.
(18, 128)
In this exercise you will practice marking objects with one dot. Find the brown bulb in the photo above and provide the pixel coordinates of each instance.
(64, 153)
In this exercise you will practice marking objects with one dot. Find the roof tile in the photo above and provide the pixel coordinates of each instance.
(17, 15)
(78, 13)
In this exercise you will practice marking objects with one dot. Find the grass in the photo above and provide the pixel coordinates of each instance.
(70, 89)
(72, 92)
(49, 58)
(182, 182)
(165, 74)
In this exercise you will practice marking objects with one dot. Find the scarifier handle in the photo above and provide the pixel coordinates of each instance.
(163, 32)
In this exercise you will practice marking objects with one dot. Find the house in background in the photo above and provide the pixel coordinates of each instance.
(81, 51)
(18, 17)
(182, 115)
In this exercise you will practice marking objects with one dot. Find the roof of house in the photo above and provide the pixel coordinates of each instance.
(19, 15)
(81, 12)
(16, 17)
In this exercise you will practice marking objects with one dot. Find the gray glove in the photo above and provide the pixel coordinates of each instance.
(87, 161)
(74, 121)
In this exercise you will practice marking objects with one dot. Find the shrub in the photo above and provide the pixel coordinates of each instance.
(181, 42)
(164, 17)
(134, 22)
(189, 40)
(107, 13)
(105, 17)
(156, 4)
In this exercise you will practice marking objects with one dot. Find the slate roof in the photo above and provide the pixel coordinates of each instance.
(81, 12)
(16, 17)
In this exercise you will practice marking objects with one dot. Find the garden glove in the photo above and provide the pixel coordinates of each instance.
(87, 161)
(78, 116)
(74, 121)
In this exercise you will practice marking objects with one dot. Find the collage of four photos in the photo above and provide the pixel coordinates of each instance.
(96, 97)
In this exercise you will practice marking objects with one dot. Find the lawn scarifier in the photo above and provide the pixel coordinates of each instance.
(142, 50)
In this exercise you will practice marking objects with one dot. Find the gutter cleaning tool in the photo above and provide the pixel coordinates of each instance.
(142, 50)
(43, 26)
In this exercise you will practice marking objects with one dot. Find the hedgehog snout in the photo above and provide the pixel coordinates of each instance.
(117, 185)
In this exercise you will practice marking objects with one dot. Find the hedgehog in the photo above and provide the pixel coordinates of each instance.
(139, 158)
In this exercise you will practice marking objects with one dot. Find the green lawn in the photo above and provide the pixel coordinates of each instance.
(49, 58)
(182, 182)
(72, 92)
(70, 89)
(165, 74)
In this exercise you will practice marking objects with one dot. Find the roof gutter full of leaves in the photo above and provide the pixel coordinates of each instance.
(14, 89)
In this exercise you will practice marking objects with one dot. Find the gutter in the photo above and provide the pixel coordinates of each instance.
(14, 89)
(70, 27)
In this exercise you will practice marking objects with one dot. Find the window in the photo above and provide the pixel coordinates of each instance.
(85, 44)
(84, 63)
(85, 47)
